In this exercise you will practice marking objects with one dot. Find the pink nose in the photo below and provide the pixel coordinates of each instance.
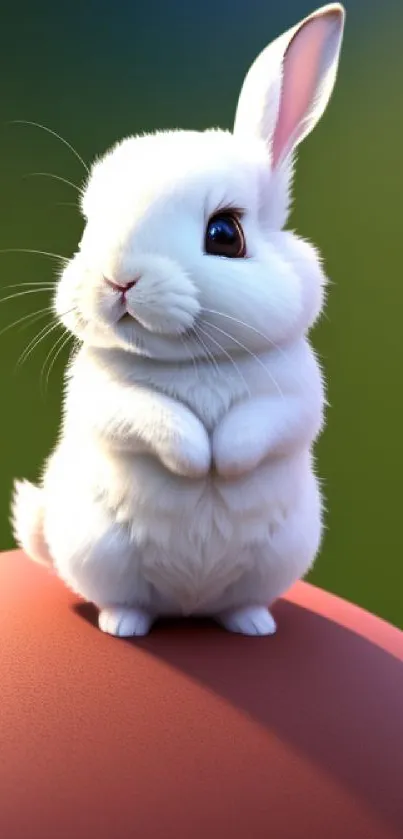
(121, 288)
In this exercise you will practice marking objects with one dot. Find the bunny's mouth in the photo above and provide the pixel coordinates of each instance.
(126, 318)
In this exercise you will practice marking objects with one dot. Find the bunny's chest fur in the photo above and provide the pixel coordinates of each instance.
(195, 515)
(209, 400)
(210, 392)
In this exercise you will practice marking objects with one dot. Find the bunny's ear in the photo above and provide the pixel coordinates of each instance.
(290, 83)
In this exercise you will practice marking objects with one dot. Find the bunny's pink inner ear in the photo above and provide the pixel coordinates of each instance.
(307, 61)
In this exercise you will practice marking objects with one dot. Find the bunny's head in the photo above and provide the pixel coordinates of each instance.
(185, 229)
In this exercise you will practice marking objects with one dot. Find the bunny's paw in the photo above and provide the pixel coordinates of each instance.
(187, 451)
(236, 450)
(124, 622)
(251, 620)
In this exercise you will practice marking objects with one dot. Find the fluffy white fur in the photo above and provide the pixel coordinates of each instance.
(183, 482)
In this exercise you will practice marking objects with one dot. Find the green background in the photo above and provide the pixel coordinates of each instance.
(97, 72)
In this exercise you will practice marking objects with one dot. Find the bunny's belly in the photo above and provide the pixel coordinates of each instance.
(198, 539)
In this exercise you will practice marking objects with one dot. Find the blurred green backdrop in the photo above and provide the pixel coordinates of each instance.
(97, 72)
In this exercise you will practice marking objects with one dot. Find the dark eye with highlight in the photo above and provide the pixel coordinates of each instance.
(224, 236)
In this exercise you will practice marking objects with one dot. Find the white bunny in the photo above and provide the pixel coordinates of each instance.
(183, 479)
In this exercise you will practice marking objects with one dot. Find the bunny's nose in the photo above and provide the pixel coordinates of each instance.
(122, 289)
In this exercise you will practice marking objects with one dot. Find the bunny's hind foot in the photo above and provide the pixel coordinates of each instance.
(125, 622)
(249, 620)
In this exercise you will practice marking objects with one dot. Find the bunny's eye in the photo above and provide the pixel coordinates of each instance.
(225, 237)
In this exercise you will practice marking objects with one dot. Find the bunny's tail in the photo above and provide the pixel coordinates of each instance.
(27, 521)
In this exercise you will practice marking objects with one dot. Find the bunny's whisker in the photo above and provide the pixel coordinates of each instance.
(27, 319)
(54, 134)
(38, 338)
(52, 356)
(249, 352)
(193, 359)
(46, 286)
(209, 356)
(51, 255)
(227, 355)
(243, 323)
(34, 343)
(55, 177)
(23, 293)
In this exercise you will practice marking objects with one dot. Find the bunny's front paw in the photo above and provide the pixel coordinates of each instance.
(187, 452)
(235, 451)
(251, 620)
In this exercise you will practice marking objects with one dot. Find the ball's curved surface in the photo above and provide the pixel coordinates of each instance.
(192, 733)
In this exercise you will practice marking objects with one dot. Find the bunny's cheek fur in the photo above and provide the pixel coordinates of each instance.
(304, 259)
(264, 292)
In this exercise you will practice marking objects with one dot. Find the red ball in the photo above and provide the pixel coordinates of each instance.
(193, 733)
